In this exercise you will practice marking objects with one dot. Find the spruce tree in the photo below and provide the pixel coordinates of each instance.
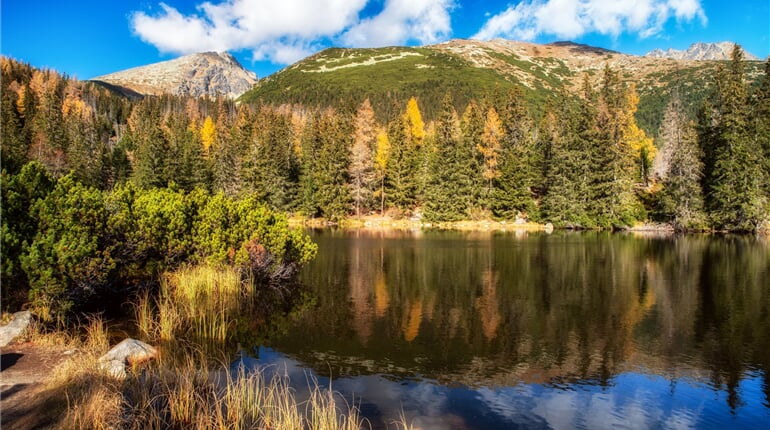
(333, 162)
(472, 126)
(149, 146)
(186, 165)
(86, 155)
(682, 199)
(735, 183)
(272, 160)
(15, 147)
(401, 180)
(311, 141)
(227, 152)
(49, 140)
(513, 190)
(563, 133)
(381, 161)
(613, 202)
(449, 192)
(760, 131)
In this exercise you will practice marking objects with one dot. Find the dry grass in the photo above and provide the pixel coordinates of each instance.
(197, 303)
(182, 389)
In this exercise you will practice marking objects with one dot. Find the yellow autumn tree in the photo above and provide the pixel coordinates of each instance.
(208, 134)
(416, 125)
(21, 101)
(642, 146)
(361, 170)
(644, 150)
(490, 146)
(381, 157)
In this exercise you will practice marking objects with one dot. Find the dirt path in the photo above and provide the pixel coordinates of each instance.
(25, 370)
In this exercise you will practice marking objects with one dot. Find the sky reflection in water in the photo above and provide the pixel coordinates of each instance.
(632, 400)
(486, 331)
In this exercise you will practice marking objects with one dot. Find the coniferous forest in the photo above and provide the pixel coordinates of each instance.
(99, 190)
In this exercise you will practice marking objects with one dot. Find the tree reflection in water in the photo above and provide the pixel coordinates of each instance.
(553, 312)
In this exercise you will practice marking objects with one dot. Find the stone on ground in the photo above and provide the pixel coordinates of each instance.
(128, 352)
(16, 327)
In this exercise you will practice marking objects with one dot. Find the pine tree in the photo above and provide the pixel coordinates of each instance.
(735, 182)
(416, 137)
(311, 141)
(449, 192)
(381, 159)
(149, 145)
(228, 152)
(513, 191)
(49, 142)
(564, 129)
(86, 155)
(682, 193)
(333, 163)
(613, 200)
(271, 163)
(472, 126)
(401, 179)
(19, 193)
(760, 131)
(15, 146)
(187, 165)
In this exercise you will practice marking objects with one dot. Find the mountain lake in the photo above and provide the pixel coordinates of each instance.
(487, 330)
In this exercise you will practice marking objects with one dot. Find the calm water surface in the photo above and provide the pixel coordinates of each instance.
(569, 330)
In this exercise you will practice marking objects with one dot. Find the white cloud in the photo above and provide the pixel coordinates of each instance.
(284, 31)
(573, 18)
(426, 21)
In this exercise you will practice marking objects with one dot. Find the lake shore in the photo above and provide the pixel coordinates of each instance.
(378, 222)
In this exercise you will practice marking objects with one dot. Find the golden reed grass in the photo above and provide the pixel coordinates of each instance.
(183, 389)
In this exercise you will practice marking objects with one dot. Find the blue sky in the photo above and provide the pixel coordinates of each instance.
(89, 38)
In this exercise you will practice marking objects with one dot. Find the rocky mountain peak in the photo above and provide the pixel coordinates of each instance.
(700, 51)
(203, 74)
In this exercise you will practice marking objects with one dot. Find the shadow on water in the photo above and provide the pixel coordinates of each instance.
(504, 330)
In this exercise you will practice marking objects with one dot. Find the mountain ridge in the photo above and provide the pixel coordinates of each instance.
(202, 74)
(700, 51)
(474, 69)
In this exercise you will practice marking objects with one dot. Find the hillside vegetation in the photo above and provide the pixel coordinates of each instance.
(467, 70)
(101, 192)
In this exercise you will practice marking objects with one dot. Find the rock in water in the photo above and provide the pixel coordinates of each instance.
(19, 322)
(128, 352)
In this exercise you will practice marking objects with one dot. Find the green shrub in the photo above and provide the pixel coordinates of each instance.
(68, 260)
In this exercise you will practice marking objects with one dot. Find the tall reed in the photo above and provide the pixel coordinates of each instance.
(184, 389)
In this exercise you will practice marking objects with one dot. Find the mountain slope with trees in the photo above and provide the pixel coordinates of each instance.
(471, 69)
(97, 188)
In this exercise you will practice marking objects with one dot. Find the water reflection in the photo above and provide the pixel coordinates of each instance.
(556, 330)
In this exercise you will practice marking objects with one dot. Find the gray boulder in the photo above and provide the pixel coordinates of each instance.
(129, 352)
(19, 322)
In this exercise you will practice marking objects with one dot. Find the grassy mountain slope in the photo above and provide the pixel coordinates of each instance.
(336, 77)
(474, 69)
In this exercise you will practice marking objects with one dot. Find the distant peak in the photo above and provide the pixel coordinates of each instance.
(700, 51)
(200, 74)
(582, 47)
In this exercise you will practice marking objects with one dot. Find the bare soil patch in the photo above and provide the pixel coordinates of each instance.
(25, 402)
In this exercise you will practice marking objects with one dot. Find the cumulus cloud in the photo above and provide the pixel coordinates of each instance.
(286, 30)
(426, 21)
(573, 18)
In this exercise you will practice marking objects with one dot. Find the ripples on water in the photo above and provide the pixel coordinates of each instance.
(485, 331)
